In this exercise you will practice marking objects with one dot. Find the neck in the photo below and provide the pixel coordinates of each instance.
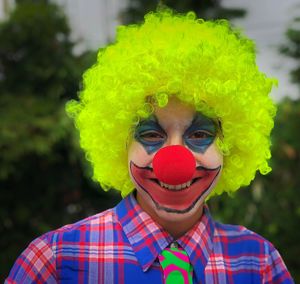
(178, 228)
(176, 224)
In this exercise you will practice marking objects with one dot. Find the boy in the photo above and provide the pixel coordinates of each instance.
(174, 112)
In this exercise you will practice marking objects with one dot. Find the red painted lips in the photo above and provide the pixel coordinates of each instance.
(178, 201)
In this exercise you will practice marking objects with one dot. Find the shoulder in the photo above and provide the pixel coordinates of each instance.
(81, 230)
(239, 238)
(239, 244)
(238, 233)
(235, 231)
(39, 260)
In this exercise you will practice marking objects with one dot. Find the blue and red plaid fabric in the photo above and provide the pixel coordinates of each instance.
(121, 245)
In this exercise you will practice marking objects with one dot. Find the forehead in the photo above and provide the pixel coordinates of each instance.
(175, 107)
(179, 114)
(175, 111)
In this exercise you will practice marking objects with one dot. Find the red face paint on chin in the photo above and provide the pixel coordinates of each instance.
(178, 201)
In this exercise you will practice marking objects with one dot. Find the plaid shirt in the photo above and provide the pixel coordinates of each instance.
(121, 245)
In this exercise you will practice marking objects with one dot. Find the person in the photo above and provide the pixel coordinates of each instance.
(174, 112)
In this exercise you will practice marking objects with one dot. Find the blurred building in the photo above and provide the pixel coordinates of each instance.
(267, 22)
(5, 7)
(93, 22)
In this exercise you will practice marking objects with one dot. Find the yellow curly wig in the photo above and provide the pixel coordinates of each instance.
(204, 63)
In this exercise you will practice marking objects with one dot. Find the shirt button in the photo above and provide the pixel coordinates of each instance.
(174, 245)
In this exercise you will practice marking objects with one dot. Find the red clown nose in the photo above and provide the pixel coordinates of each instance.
(174, 165)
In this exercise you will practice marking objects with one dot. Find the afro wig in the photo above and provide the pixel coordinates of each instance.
(207, 64)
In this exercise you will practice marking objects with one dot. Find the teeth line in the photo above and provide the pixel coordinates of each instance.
(176, 187)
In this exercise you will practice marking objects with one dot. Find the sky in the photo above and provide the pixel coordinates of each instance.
(266, 22)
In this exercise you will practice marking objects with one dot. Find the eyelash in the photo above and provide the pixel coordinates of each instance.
(151, 134)
(155, 135)
(204, 133)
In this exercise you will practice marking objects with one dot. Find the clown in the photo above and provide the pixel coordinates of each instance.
(174, 112)
(174, 165)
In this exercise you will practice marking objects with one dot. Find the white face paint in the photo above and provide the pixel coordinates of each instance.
(175, 124)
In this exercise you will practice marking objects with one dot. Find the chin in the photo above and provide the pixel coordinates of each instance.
(170, 215)
(179, 216)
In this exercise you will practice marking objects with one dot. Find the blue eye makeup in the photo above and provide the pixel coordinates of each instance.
(200, 134)
(150, 134)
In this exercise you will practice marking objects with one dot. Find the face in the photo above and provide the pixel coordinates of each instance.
(194, 134)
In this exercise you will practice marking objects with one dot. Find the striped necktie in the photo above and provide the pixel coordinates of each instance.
(176, 266)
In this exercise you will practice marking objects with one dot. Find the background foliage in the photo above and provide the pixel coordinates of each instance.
(271, 205)
(41, 170)
(208, 9)
(44, 180)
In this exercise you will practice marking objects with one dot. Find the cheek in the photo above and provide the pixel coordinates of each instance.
(211, 158)
(138, 155)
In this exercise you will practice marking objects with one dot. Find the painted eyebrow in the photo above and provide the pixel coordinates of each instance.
(202, 117)
(203, 120)
(153, 120)
(150, 118)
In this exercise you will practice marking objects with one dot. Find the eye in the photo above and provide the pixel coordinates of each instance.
(152, 136)
(200, 134)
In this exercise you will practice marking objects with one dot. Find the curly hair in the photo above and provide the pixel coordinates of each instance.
(207, 64)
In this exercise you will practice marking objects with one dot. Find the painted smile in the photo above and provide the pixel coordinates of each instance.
(175, 198)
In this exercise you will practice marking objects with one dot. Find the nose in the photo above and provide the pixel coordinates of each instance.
(174, 165)
(175, 139)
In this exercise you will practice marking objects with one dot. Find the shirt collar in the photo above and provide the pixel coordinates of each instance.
(198, 243)
(148, 238)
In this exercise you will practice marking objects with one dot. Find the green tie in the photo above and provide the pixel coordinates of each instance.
(176, 266)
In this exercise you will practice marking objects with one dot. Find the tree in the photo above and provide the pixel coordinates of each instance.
(292, 49)
(270, 206)
(207, 9)
(37, 72)
(42, 179)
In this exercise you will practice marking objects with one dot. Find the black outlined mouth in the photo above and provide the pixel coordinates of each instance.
(175, 200)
